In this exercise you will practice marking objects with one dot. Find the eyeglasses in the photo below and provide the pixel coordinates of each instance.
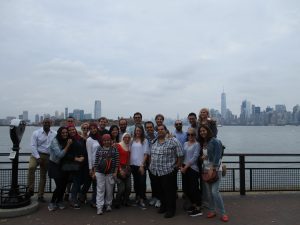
(192, 135)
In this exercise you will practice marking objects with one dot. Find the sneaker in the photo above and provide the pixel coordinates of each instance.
(157, 204)
(41, 199)
(142, 205)
(210, 215)
(60, 205)
(224, 218)
(191, 209)
(52, 206)
(99, 211)
(153, 201)
(75, 205)
(108, 208)
(195, 212)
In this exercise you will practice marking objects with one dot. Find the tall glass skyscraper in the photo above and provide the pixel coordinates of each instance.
(223, 105)
(97, 109)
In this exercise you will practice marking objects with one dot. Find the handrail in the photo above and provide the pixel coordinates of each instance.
(242, 160)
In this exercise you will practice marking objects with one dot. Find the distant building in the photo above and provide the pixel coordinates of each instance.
(97, 109)
(78, 114)
(223, 105)
(280, 108)
(25, 115)
(245, 113)
(66, 112)
(37, 118)
(87, 116)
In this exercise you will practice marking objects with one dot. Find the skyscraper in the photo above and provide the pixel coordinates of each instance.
(97, 109)
(66, 113)
(25, 115)
(223, 105)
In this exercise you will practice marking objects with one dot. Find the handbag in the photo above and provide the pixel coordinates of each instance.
(70, 166)
(209, 178)
(126, 171)
(224, 170)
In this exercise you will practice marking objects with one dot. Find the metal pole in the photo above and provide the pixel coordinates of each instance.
(242, 175)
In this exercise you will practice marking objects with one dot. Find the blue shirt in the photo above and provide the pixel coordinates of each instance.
(181, 137)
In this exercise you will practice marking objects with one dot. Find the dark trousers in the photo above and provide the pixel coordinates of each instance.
(154, 186)
(190, 186)
(61, 184)
(139, 181)
(167, 184)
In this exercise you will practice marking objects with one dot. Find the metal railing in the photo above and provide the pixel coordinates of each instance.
(245, 173)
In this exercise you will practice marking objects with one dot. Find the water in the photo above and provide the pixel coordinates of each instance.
(237, 139)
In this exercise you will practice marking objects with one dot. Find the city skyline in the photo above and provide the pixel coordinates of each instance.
(169, 57)
(245, 108)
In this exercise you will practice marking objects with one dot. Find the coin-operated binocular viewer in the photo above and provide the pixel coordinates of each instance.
(15, 195)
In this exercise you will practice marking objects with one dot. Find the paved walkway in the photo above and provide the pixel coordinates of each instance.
(252, 209)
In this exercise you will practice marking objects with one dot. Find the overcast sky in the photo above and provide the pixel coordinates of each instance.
(158, 56)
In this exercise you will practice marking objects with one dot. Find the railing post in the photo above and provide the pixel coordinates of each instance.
(242, 175)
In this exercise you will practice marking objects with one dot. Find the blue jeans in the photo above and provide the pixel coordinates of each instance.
(214, 197)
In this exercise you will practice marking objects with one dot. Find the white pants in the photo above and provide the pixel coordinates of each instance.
(105, 188)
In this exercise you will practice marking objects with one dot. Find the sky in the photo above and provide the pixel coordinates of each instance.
(171, 57)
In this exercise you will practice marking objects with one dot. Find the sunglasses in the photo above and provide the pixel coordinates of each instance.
(190, 135)
(178, 124)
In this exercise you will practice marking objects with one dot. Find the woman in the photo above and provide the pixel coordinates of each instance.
(190, 173)
(84, 131)
(211, 153)
(114, 133)
(60, 145)
(92, 144)
(139, 148)
(105, 168)
(204, 119)
(124, 179)
(73, 162)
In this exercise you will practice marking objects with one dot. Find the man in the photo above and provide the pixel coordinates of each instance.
(165, 159)
(151, 134)
(70, 121)
(103, 122)
(192, 117)
(137, 117)
(179, 134)
(40, 144)
(122, 127)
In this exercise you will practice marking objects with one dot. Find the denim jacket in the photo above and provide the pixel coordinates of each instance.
(214, 151)
(56, 151)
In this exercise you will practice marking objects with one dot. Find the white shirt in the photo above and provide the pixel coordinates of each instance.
(40, 142)
(91, 147)
(137, 152)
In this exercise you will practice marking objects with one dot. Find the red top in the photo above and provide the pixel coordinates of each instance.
(124, 155)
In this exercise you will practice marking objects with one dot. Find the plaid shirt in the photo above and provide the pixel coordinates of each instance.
(164, 156)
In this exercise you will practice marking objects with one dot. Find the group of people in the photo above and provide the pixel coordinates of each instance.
(104, 158)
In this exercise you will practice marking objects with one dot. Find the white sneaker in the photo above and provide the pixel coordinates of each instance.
(153, 201)
(52, 207)
(99, 211)
(157, 204)
(108, 208)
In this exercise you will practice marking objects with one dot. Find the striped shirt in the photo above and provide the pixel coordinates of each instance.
(164, 156)
(106, 160)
